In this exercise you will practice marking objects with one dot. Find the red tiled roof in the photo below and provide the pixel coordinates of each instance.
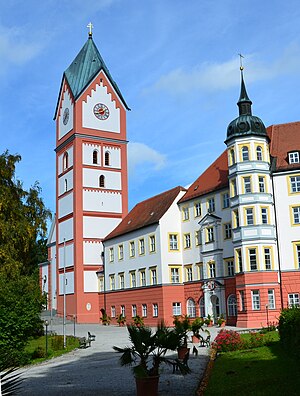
(215, 177)
(146, 212)
(284, 139)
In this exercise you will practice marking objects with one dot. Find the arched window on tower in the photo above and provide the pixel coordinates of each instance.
(232, 158)
(66, 185)
(107, 158)
(191, 308)
(202, 307)
(65, 161)
(245, 153)
(259, 155)
(102, 181)
(95, 157)
(231, 305)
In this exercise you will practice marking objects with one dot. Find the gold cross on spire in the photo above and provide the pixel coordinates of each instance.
(90, 26)
(241, 62)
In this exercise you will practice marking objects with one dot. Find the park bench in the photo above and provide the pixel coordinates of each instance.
(204, 341)
(86, 341)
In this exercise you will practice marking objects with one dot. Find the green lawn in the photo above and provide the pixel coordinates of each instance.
(35, 351)
(267, 370)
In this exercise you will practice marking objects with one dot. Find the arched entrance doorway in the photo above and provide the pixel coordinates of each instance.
(215, 307)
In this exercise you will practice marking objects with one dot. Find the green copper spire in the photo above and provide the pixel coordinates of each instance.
(244, 102)
(85, 67)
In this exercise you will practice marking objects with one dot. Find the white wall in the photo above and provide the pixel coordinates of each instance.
(115, 156)
(66, 103)
(69, 255)
(91, 178)
(69, 283)
(65, 205)
(103, 201)
(92, 252)
(65, 230)
(100, 95)
(87, 153)
(61, 182)
(95, 227)
(90, 282)
(70, 159)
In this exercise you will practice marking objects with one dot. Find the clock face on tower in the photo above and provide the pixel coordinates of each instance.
(101, 111)
(66, 116)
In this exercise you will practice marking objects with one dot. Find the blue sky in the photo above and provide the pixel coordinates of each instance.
(176, 63)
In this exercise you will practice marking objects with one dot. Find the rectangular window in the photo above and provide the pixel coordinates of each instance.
(226, 201)
(152, 243)
(175, 278)
(271, 299)
(123, 310)
(173, 242)
(121, 281)
(255, 300)
(189, 274)
(295, 184)
(198, 238)
(210, 234)
(211, 204)
(239, 260)
(252, 259)
(132, 249)
(249, 216)
(133, 279)
(242, 301)
(155, 310)
(227, 230)
(298, 255)
(133, 310)
(230, 268)
(153, 276)
(113, 311)
(294, 157)
(187, 241)
(236, 219)
(201, 273)
(143, 278)
(261, 184)
(112, 282)
(212, 270)
(247, 185)
(197, 209)
(101, 284)
(267, 257)
(111, 254)
(296, 214)
(176, 308)
(142, 246)
(144, 310)
(293, 300)
(233, 188)
(185, 214)
(264, 216)
(121, 252)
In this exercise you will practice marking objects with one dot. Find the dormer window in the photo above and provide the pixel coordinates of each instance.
(294, 157)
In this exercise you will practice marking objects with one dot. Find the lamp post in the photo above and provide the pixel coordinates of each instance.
(267, 310)
(46, 325)
(74, 317)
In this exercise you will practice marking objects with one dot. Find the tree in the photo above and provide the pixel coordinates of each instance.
(23, 226)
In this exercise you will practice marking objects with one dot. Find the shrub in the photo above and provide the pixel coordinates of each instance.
(288, 327)
(57, 342)
(39, 352)
(227, 340)
(256, 340)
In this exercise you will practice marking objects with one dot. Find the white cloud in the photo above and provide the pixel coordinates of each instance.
(139, 154)
(211, 76)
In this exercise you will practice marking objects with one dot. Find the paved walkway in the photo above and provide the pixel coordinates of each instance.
(96, 370)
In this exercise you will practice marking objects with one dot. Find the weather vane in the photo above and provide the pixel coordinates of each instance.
(241, 62)
(90, 26)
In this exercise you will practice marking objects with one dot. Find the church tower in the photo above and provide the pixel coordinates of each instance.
(91, 178)
(252, 207)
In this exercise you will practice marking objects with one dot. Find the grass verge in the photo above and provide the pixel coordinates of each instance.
(266, 370)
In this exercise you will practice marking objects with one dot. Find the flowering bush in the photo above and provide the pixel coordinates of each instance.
(256, 340)
(227, 340)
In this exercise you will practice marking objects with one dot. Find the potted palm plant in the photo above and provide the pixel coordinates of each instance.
(146, 353)
(138, 321)
(181, 329)
(105, 319)
(221, 321)
(208, 321)
(196, 326)
(121, 320)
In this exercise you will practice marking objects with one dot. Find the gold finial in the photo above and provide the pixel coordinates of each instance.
(241, 62)
(90, 26)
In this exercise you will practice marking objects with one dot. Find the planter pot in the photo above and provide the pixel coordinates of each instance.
(182, 352)
(195, 339)
(210, 324)
(147, 386)
(222, 324)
